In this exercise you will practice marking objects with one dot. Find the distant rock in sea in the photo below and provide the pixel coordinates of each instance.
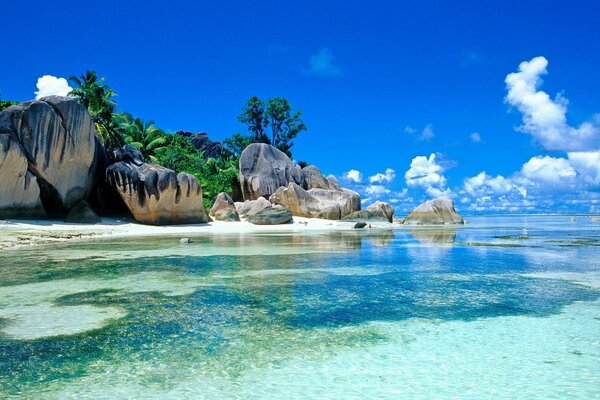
(155, 195)
(434, 212)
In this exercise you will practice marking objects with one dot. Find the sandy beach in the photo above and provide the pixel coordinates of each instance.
(23, 233)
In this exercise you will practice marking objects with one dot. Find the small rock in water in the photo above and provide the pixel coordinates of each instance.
(185, 241)
(359, 225)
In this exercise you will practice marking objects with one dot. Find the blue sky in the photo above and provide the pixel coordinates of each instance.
(417, 87)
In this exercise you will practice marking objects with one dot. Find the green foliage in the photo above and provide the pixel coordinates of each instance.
(7, 103)
(144, 136)
(237, 143)
(271, 122)
(215, 175)
(97, 97)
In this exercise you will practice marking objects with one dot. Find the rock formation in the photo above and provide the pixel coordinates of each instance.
(383, 208)
(48, 151)
(316, 203)
(82, 213)
(202, 142)
(264, 169)
(273, 215)
(251, 207)
(365, 216)
(223, 208)
(312, 178)
(434, 212)
(155, 195)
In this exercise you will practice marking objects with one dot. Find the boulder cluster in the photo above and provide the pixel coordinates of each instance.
(53, 165)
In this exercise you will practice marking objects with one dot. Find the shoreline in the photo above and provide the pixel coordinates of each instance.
(18, 234)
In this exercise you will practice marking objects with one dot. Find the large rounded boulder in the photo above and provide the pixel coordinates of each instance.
(264, 169)
(317, 203)
(381, 207)
(57, 136)
(434, 212)
(155, 195)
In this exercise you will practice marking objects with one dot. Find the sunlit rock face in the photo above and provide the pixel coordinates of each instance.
(317, 203)
(223, 208)
(56, 138)
(434, 212)
(155, 195)
(382, 208)
(264, 169)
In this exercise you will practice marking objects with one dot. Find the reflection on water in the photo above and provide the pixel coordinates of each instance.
(435, 237)
(248, 315)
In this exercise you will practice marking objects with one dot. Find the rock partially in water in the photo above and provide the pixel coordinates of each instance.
(156, 195)
(383, 208)
(360, 225)
(273, 215)
(434, 212)
(185, 241)
(264, 169)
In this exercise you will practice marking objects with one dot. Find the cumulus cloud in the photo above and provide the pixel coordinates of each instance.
(322, 63)
(483, 183)
(587, 164)
(475, 137)
(427, 173)
(544, 118)
(546, 169)
(377, 190)
(353, 176)
(388, 176)
(49, 85)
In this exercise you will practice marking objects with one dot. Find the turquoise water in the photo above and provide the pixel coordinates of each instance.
(501, 308)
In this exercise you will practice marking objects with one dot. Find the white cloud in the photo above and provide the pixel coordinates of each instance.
(546, 169)
(322, 63)
(427, 133)
(49, 85)
(425, 172)
(410, 130)
(486, 184)
(354, 176)
(377, 190)
(388, 176)
(587, 164)
(543, 118)
(475, 137)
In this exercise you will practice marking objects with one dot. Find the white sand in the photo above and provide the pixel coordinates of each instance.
(20, 233)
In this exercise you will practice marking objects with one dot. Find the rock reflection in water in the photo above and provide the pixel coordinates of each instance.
(437, 237)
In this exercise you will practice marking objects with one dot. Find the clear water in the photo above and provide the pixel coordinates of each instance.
(502, 308)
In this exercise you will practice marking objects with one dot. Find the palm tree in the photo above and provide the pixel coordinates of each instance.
(144, 136)
(97, 97)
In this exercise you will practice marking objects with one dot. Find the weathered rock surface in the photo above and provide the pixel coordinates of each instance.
(57, 137)
(273, 215)
(384, 208)
(202, 142)
(317, 203)
(264, 169)
(223, 208)
(434, 212)
(155, 195)
(82, 213)
(20, 193)
(333, 183)
(251, 207)
(365, 216)
(312, 178)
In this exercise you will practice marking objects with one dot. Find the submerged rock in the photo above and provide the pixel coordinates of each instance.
(317, 203)
(434, 212)
(264, 169)
(273, 215)
(156, 195)
(383, 208)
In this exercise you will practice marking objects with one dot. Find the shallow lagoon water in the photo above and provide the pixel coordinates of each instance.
(504, 307)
